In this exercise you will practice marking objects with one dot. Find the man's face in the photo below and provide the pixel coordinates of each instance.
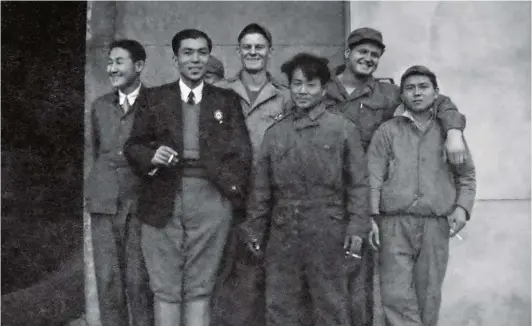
(363, 58)
(305, 93)
(211, 77)
(254, 51)
(123, 72)
(191, 58)
(418, 93)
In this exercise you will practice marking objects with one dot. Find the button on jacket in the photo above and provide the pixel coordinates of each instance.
(314, 162)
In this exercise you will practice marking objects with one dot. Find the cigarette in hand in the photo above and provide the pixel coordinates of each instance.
(170, 159)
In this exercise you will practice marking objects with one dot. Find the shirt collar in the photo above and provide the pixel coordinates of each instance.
(401, 111)
(131, 97)
(185, 91)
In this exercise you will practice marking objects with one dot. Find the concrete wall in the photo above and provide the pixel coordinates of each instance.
(480, 52)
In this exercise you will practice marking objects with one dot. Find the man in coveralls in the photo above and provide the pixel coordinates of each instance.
(310, 182)
(192, 147)
(368, 102)
(419, 200)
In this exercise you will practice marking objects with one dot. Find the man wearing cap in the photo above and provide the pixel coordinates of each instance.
(356, 94)
(418, 200)
(263, 100)
(215, 71)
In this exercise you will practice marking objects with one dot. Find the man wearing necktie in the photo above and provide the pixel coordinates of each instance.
(192, 149)
(121, 275)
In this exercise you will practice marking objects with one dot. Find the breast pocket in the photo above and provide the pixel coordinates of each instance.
(325, 158)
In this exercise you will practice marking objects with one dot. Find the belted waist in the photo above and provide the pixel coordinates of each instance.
(195, 172)
(310, 203)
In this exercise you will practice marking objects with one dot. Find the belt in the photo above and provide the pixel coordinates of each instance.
(190, 172)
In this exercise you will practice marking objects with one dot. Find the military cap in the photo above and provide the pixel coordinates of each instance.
(365, 34)
(419, 70)
(215, 66)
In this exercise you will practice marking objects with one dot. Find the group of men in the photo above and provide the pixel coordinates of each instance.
(242, 201)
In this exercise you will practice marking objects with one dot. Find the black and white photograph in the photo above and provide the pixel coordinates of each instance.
(266, 163)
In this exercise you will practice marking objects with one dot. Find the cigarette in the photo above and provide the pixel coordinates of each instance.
(171, 158)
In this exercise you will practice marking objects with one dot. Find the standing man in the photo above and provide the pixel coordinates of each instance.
(418, 199)
(111, 193)
(310, 183)
(192, 148)
(356, 94)
(263, 100)
(215, 70)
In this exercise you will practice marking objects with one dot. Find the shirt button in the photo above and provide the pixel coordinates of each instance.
(233, 188)
(296, 211)
(120, 153)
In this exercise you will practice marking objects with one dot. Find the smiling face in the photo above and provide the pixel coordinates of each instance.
(363, 59)
(305, 93)
(254, 51)
(418, 93)
(191, 59)
(123, 72)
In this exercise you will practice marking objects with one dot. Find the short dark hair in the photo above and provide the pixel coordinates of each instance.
(419, 70)
(189, 33)
(312, 67)
(255, 28)
(135, 49)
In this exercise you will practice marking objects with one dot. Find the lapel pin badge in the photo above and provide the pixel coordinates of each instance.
(218, 115)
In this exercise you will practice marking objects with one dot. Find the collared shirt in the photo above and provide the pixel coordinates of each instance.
(185, 91)
(402, 111)
(131, 97)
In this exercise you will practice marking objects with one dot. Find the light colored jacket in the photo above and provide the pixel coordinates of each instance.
(269, 106)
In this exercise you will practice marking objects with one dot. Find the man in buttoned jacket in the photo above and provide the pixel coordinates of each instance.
(192, 149)
(111, 191)
(263, 100)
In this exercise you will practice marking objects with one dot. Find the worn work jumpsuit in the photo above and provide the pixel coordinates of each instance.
(310, 182)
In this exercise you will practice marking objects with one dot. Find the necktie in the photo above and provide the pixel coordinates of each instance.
(190, 99)
(125, 105)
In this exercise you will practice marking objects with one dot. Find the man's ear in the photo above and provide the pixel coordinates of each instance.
(139, 65)
(347, 52)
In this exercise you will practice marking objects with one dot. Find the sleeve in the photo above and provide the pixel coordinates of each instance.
(356, 182)
(448, 115)
(259, 201)
(465, 180)
(243, 159)
(94, 136)
(140, 147)
(378, 157)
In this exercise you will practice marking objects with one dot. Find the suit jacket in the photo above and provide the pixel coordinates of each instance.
(111, 179)
(225, 148)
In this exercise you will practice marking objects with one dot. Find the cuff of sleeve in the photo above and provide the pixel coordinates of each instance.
(468, 211)
(359, 228)
(251, 231)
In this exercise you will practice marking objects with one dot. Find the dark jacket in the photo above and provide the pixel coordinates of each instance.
(311, 165)
(409, 173)
(376, 102)
(225, 148)
(111, 179)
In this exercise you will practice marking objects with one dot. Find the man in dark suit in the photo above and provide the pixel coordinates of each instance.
(192, 148)
(111, 191)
